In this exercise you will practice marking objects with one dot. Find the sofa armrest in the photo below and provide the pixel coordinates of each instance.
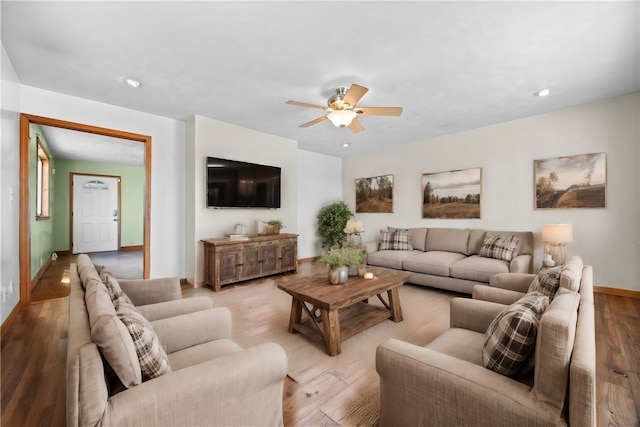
(174, 308)
(370, 247)
(518, 282)
(521, 264)
(244, 388)
(474, 315)
(501, 296)
(180, 332)
(420, 386)
(151, 291)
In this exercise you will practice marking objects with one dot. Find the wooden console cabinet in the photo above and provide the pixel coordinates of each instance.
(229, 261)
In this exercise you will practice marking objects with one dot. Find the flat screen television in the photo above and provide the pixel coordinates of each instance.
(234, 184)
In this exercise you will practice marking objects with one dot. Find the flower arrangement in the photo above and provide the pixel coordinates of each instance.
(354, 227)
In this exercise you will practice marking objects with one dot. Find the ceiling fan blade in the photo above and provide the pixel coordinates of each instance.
(313, 122)
(304, 104)
(379, 111)
(356, 126)
(354, 94)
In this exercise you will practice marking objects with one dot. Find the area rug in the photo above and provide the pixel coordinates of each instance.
(349, 378)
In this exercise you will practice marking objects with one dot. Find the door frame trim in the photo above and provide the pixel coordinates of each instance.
(24, 223)
(71, 199)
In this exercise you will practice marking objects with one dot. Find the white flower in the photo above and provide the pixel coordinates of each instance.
(354, 227)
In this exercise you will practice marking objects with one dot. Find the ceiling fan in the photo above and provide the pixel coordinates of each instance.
(343, 111)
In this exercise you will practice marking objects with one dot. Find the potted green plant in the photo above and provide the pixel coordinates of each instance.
(338, 260)
(332, 220)
(274, 226)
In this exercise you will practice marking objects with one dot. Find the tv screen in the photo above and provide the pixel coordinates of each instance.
(234, 184)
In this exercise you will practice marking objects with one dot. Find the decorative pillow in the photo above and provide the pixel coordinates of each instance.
(401, 240)
(386, 240)
(111, 336)
(115, 292)
(151, 355)
(511, 336)
(547, 282)
(393, 230)
(499, 247)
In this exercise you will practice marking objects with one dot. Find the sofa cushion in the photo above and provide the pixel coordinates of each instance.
(459, 343)
(386, 240)
(389, 258)
(572, 274)
(499, 247)
(202, 352)
(111, 336)
(546, 281)
(151, 355)
(447, 240)
(511, 336)
(417, 236)
(433, 262)
(478, 269)
(87, 272)
(476, 237)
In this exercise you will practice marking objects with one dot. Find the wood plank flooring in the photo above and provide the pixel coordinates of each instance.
(33, 354)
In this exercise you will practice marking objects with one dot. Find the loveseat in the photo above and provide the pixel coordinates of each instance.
(447, 382)
(452, 258)
(192, 372)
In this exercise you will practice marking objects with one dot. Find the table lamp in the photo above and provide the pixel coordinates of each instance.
(555, 237)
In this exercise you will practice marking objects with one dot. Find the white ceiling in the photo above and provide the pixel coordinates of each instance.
(453, 66)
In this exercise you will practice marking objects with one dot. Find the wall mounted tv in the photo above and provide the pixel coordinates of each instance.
(234, 184)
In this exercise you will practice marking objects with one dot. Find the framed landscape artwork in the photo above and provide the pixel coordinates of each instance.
(374, 195)
(571, 182)
(452, 195)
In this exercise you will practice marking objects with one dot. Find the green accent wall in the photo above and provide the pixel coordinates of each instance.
(41, 231)
(132, 187)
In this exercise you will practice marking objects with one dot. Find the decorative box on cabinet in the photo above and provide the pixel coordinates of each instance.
(229, 261)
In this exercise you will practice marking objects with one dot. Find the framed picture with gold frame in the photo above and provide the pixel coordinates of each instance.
(452, 195)
(571, 182)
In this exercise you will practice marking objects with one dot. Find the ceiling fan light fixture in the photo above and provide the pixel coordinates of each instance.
(342, 118)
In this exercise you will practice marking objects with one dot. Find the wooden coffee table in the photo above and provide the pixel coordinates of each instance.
(343, 309)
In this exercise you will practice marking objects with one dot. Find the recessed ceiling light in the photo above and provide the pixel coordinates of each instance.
(132, 82)
(346, 144)
(543, 92)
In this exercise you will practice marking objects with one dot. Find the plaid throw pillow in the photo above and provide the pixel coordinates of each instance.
(401, 240)
(151, 355)
(386, 240)
(499, 247)
(511, 336)
(115, 291)
(547, 282)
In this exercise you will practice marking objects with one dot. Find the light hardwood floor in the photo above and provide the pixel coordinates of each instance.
(34, 352)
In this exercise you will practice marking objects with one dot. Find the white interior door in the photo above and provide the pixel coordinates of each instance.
(95, 213)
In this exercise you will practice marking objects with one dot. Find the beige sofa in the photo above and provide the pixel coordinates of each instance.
(445, 382)
(449, 258)
(212, 380)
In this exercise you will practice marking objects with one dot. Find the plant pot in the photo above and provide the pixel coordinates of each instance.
(272, 229)
(338, 275)
(353, 270)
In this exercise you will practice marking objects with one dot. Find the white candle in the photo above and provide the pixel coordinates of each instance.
(368, 275)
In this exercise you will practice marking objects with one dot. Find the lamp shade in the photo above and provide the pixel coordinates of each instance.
(557, 233)
(341, 118)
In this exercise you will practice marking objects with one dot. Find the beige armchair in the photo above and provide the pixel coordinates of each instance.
(445, 382)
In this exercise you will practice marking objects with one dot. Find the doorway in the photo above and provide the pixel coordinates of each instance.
(25, 250)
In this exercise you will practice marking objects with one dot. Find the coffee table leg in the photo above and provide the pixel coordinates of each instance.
(394, 304)
(296, 313)
(331, 324)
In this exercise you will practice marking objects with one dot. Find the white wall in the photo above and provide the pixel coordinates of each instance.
(210, 137)
(605, 238)
(9, 184)
(167, 165)
(319, 184)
